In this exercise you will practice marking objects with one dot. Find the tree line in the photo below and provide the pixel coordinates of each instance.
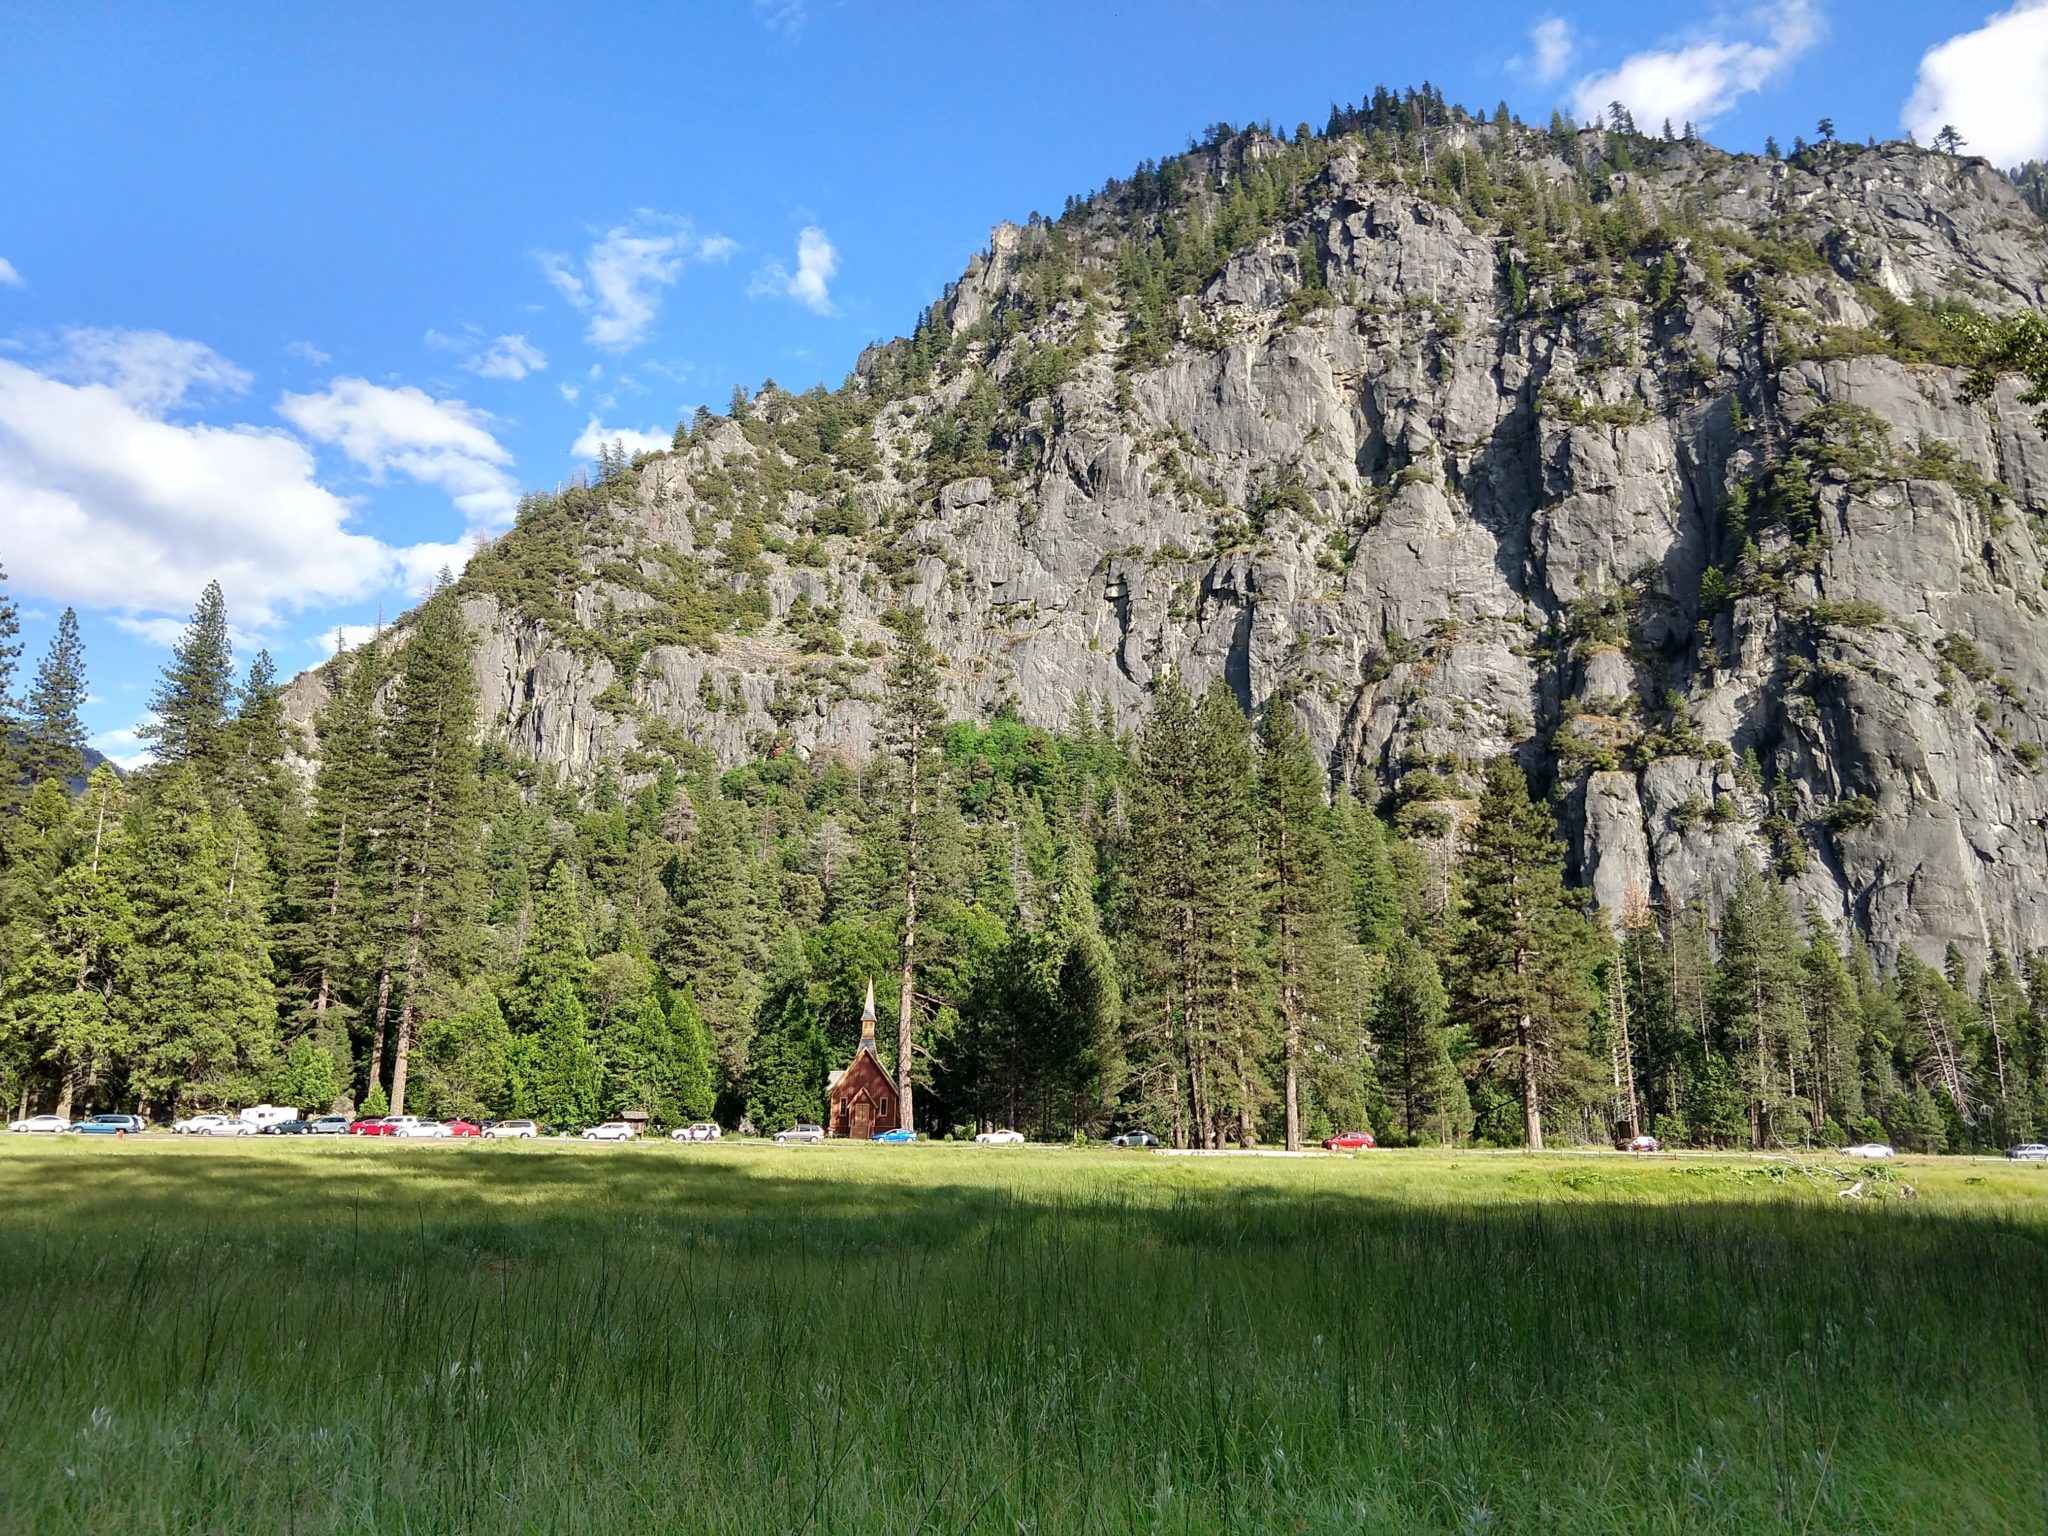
(1169, 923)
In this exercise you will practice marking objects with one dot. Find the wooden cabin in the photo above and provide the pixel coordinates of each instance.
(861, 1101)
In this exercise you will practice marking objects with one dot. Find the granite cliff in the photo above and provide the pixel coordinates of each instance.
(1646, 462)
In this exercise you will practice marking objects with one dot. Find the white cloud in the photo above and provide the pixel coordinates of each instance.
(1991, 85)
(123, 747)
(306, 352)
(147, 369)
(596, 436)
(343, 637)
(620, 279)
(789, 17)
(436, 442)
(569, 392)
(816, 262)
(9, 277)
(1550, 50)
(1697, 82)
(110, 505)
(508, 357)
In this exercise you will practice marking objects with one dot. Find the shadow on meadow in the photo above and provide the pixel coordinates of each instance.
(555, 1337)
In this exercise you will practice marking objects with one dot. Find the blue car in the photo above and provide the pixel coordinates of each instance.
(111, 1125)
(896, 1136)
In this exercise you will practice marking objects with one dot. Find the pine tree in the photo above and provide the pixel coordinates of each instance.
(11, 774)
(327, 906)
(189, 710)
(92, 936)
(206, 1017)
(255, 774)
(1524, 978)
(1416, 1069)
(431, 797)
(1757, 999)
(713, 950)
(465, 1056)
(555, 948)
(53, 737)
(686, 1078)
(1302, 906)
(912, 717)
(561, 1076)
(1834, 1026)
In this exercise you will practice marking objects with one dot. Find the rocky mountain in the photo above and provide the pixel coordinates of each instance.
(1644, 461)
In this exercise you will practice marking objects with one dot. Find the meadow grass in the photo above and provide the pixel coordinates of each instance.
(318, 1337)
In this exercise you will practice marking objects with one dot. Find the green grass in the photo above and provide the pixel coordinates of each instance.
(208, 1337)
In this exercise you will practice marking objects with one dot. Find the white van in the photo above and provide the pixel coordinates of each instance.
(260, 1115)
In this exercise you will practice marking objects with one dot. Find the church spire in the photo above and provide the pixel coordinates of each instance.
(867, 1021)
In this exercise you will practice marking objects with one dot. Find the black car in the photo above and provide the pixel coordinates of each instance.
(288, 1128)
(1134, 1139)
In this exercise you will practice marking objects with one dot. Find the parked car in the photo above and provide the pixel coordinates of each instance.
(260, 1115)
(463, 1128)
(1134, 1139)
(40, 1125)
(1643, 1144)
(1868, 1149)
(611, 1130)
(895, 1138)
(703, 1130)
(2029, 1152)
(236, 1127)
(801, 1132)
(1349, 1141)
(330, 1125)
(1001, 1138)
(287, 1128)
(401, 1125)
(196, 1125)
(423, 1130)
(372, 1125)
(111, 1125)
(511, 1130)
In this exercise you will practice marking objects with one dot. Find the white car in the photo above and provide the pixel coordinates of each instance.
(1001, 1138)
(2029, 1152)
(804, 1132)
(1868, 1149)
(197, 1125)
(703, 1130)
(512, 1130)
(223, 1127)
(422, 1130)
(40, 1125)
(611, 1130)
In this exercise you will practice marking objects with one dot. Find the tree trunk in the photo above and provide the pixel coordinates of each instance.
(1532, 1107)
(66, 1090)
(332, 932)
(1292, 1085)
(906, 1001)
(377, 1029)
(415, 931)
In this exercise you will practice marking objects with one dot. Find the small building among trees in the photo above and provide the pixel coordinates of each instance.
(861, 1101)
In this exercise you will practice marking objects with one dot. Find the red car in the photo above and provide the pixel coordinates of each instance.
(374, 1125)
(463, 1128)
(1349, 1141)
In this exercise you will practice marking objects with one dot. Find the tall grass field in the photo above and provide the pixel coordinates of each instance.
(450, 1338)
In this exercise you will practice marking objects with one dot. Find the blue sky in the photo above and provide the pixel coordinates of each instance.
(302, 296)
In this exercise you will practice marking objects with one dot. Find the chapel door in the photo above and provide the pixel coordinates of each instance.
(862, 1120)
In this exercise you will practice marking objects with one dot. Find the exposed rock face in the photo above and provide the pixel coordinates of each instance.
(1438, 524)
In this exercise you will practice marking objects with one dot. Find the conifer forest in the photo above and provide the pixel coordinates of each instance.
(1163, 921)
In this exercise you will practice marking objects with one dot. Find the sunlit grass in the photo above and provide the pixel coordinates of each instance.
(555, 1337)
